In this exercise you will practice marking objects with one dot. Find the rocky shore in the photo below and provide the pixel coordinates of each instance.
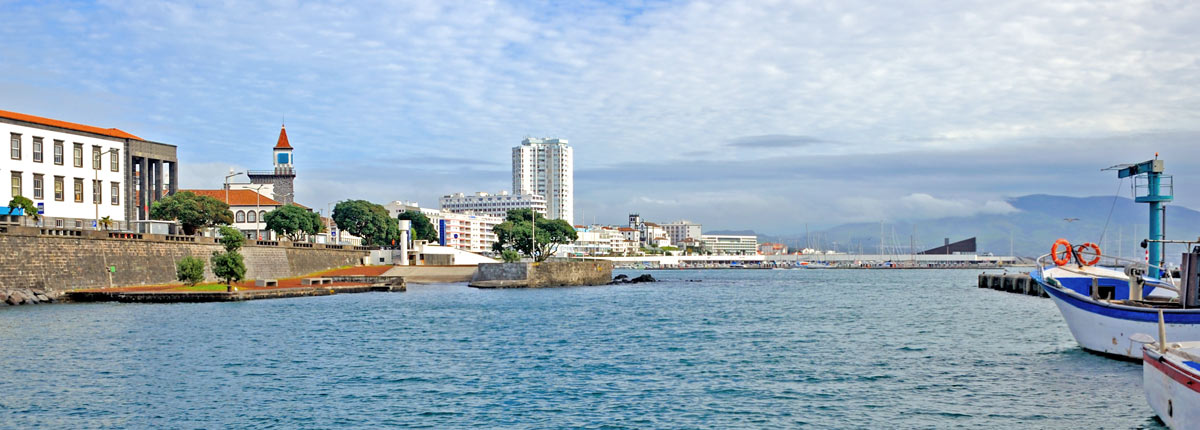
(28, 297)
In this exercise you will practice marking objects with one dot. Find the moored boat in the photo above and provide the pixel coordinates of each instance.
(1171, 380)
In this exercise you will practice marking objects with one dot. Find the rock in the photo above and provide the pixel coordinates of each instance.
(15, 298)
(620, 277)
(643, 278)
(42, 298)
(3, 296)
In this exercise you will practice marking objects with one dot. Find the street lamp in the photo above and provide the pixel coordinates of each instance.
(257, 209)
(230, 175)
(96, 183)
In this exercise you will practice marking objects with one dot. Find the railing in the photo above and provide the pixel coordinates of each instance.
(129, 236)
(277, 171)
(266, 242)
(301, 245)
(180, 238)
(365, 248)
(61, 232)
(1167, 281)
(334, 247)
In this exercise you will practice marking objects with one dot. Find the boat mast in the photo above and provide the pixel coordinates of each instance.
(1154, 184)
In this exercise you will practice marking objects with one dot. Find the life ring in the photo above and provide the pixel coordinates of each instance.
(1095, 250)
(1067, 254)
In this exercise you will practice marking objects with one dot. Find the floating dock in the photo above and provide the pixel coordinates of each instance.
(1019, 283)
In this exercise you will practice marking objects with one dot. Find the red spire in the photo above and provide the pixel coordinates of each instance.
(283, 142)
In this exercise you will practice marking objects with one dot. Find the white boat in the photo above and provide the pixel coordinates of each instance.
(1171, 380)
(1105, 306)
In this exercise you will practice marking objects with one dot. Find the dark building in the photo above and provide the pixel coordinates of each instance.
(284, 176)
(965, 246)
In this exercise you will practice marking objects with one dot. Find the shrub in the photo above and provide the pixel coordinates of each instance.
(510, 256)
(190, 270)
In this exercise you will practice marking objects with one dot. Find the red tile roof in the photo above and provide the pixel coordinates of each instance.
(283, 142)
(238, 197)
(67, 125)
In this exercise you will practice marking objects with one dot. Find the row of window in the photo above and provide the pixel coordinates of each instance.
(59, 189)
(249, 216)
(77, 160)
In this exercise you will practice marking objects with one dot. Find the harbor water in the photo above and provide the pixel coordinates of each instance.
(740, 348)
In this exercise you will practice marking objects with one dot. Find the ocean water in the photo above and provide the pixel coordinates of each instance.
(740, 349)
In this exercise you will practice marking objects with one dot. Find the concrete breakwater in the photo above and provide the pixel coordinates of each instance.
(545, 274)
(1020, 283)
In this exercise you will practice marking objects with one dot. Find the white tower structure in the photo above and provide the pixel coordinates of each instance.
(546, 167)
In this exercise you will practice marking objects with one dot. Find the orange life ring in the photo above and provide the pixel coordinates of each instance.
(1067, 254)
(1095, 250)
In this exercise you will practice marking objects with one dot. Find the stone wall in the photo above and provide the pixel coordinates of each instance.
(51, 261)
(546, 274)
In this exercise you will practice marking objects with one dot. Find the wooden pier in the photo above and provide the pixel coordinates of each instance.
(1019, 283)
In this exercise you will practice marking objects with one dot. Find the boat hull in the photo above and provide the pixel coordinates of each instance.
(1171, 390)
(1106, 328)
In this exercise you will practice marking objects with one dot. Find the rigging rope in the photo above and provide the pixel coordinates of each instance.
(1110, 210)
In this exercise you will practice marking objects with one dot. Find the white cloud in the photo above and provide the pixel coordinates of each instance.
(420, 81)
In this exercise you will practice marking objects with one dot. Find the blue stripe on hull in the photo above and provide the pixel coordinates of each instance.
(1170, 316)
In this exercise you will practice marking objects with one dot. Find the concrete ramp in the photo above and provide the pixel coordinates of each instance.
(433, 274)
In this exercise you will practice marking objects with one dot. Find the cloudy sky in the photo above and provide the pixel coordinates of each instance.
(761, 115)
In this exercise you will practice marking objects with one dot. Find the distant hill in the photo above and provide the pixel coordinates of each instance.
(1040, 220)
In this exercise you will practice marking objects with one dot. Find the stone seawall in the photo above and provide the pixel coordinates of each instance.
(52, 263)
(546, 274)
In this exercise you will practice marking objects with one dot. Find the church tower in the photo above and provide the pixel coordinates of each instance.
(282, 178)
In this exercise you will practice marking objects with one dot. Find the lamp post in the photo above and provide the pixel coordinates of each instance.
(96, 182)
(257, 209)
(230, 175)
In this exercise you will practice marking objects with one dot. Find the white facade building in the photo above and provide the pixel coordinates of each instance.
(598, 240)
(545, 167)
(721, 244)
(498, 204)
(77, 174)
(248, 208)
(463, 231)
(682, 229)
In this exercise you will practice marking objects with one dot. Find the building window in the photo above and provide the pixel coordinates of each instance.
(58, 223)
(262, 215)
(16, 146)
(37, 149)
(58, 152)
(37, 187)
(78, 223)
(78, 190)
(58, 188)
(115, 160)
(241, 217)
(251, 217)
(96, 186)
(78, 155)
(16, 184)
(115, 191)
(95, 157)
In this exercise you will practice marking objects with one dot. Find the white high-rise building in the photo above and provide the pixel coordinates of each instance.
(546, 167)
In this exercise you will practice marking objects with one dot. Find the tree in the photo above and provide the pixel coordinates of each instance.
(514, 234)
(228, 266)
(107, 222)
(293, 222)
(192, 211)
(366, 220)
(190, 270)
(20, 202)
(422, 227)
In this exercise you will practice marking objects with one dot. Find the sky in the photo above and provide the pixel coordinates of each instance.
(762, 115)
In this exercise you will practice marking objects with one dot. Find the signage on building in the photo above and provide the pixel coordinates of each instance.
(41, 208)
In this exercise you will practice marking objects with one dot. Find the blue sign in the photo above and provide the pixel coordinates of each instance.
(41, 208)
(333, 233)
(442, 232)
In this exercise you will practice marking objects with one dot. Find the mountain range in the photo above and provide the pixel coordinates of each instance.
(1038, 221)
